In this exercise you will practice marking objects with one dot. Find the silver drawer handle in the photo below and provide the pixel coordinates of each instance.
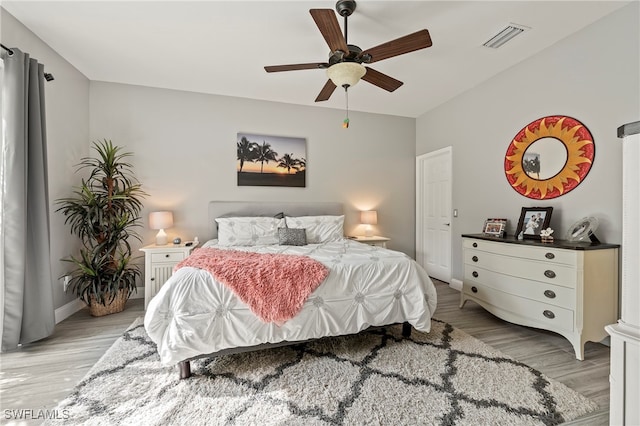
(474, 289)
(550, 294)
(549, 273)
(475, 244)
(549, 314)
(550, 256)
(475, 274)
(474, 258)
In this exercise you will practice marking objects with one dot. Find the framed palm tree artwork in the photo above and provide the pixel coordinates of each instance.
(271, 160)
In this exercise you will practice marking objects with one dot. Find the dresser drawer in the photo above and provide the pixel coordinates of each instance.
(554, 255)
(542, 292)
(548, 316)
(546, 272)
(167, 257)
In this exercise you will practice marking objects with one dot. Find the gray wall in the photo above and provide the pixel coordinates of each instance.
(185, 155)
(67, 108)
(592, 76)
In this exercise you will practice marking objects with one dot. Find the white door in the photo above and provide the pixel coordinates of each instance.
(433, 213)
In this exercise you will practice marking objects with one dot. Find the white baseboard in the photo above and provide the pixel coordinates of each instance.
(455, 284)
(65, 311)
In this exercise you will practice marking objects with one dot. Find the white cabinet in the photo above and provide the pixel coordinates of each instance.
(567, 288)
(159, 262)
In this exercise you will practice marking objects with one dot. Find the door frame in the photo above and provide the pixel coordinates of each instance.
(420, 173)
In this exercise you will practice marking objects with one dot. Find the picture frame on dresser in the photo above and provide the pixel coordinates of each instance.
(495, 227)
(532, 221)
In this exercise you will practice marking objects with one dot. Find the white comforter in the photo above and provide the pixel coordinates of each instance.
(193, 314)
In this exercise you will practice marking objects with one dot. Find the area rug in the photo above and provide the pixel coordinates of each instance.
(377, 377)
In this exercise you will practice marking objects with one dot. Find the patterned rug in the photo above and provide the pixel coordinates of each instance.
(445, 377)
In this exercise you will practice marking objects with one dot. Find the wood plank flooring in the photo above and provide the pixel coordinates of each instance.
(39, 375)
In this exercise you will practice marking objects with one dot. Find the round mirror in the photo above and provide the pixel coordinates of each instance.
(544, 158)
(549, 157)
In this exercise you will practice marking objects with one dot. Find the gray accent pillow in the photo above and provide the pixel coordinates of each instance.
(292, 236)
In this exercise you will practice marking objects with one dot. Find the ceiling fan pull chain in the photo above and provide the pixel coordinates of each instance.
(345, 123)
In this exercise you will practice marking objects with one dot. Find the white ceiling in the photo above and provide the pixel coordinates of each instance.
(220, 47)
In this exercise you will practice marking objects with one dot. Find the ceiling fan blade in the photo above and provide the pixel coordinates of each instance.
(326, 91)
(330, 28)
(409, 43)
(295, 67)
(381, 80)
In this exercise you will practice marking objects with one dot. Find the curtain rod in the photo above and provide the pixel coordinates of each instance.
(47, 76)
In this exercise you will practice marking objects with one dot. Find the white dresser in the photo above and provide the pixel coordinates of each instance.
(564, 287)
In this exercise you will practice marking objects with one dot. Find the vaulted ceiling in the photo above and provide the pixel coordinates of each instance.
(221, 47)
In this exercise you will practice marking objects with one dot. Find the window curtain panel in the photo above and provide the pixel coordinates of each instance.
(26, 296)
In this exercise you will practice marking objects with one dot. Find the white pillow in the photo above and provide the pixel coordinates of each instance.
(320, 229)
(248, 231)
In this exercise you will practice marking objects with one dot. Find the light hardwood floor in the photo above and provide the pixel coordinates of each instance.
(39, 375)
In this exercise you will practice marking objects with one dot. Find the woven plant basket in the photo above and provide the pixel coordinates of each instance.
(96, 309)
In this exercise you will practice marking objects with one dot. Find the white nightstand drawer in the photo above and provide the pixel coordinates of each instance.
(168, 257)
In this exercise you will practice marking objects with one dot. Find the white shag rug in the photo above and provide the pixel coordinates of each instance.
(377, 377)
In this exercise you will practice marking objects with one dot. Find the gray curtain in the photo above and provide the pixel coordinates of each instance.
(26, 293)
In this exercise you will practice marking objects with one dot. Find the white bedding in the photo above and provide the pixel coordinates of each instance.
(193, 314)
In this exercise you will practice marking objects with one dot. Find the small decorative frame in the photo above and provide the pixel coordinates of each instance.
(495, 227)
(533, 220)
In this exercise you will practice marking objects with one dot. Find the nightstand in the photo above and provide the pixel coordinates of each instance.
(158, 265)
(372, 241)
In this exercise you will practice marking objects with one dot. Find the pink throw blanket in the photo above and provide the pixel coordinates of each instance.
(274, 286)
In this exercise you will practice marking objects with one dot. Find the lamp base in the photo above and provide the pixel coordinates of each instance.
(161, 238)
(368, 232)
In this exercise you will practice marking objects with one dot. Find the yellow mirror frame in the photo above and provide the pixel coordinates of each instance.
(580, 155)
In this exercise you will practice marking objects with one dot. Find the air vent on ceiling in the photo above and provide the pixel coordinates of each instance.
(505, 35)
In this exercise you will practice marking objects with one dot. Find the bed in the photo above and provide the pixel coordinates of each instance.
(194, 315)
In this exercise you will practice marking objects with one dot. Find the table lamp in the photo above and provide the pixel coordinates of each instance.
(369, 217)
(161, 221)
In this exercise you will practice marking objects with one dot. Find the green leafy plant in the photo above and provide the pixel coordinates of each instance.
(104, 212)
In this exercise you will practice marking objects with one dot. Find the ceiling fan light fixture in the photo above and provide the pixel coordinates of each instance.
(346, 73)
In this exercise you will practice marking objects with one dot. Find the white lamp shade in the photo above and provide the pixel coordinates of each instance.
(346, 73)
(369, 217)
(161, 221)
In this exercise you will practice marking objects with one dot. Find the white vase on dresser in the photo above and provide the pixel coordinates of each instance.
(625, 334)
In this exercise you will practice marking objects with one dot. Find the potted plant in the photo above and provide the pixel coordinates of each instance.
(104, 212)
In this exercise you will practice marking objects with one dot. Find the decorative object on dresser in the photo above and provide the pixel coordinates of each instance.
(570, 288)
(583, 230)
(495, 227)
(104, 212)
(377, 377)
(161, 221)
(368, 218)
(375, 240)
(533, 220)
(271, 160)
(159, 261)
(549, 157)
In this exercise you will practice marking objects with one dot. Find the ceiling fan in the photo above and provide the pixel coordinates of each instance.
(344, 67)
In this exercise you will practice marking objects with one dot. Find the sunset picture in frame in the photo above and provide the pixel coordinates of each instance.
(271, 160)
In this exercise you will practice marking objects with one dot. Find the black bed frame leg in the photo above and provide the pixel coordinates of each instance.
(185, 369)
(406, 329)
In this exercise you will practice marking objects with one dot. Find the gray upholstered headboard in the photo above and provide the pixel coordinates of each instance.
(270, 208)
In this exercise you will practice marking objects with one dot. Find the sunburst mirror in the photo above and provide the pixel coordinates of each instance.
(549, 157)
